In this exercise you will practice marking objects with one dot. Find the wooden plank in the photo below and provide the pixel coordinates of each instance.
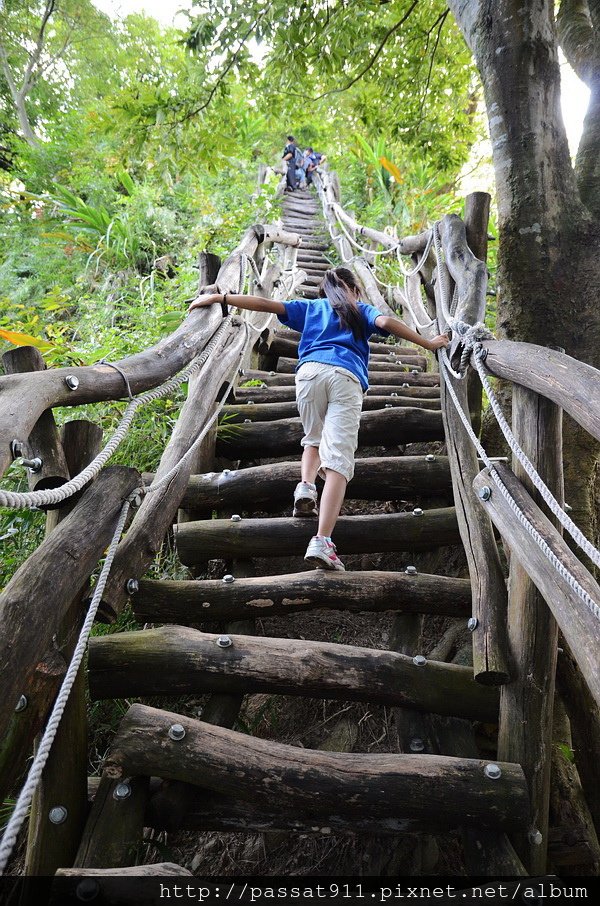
(284, 537)
(33, 604)
(176, 660)
(571, 384)
(321, 782)
(577, 623)
(269, 412)
(266, 394)
(114, 829)
(388, 427)
(490, 646)
(186, 602)
(375, 378)
(384, 363)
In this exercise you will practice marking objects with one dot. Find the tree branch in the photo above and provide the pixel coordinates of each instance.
(35, 55)
(371, 62)
(8, 74)
(576, 37)
(441, 19)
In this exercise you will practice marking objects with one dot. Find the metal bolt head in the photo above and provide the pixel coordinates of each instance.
(87, 890)
(122, 790)
(58, 814)
(393, 394)
(271, 374)
(493, 771)
(485, 492)
(34, 465)
(388, 406)
(228, 578)
(21, 704)
(405, 385)
(132, 586)
(224, 641)
(72, 382)
(247, 421)
(414, 370)
(430, 457)
(176, 732)
(236, 517)
(417, 511)
(411, 570)
(472, 624)
(226, 471)
(248, 403)
(419, 660)
(416, 744)
(535, 836)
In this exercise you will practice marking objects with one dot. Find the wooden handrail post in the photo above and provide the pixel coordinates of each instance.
(525, 733)
(476, 217)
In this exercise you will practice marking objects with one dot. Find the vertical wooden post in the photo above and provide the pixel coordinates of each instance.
(208, 268)
(43, 442)
(115, 827)
(476, 218)
(525, 731)
(64, 780)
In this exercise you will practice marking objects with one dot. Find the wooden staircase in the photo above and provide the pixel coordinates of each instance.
(209, 635)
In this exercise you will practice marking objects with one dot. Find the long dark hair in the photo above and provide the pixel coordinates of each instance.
(335, 286)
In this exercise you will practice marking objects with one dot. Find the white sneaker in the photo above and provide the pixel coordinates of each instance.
(305, 499)
(322, 554)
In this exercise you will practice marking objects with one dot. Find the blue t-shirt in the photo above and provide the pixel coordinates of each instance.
(325, 340)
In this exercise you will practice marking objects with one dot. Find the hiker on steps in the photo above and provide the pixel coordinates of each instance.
(331, 380)
(293, 157)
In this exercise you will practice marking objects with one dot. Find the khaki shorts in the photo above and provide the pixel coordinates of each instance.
(330, 402)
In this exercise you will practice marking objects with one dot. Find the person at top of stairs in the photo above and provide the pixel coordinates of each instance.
(331, 380)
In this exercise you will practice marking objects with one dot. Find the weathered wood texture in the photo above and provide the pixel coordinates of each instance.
(269, 412)
(476, 218)
(178, 660)
(319, 782)
(152, 520)
(114, 829)
(280, 394)
(525, 729)
(271, 379)
(64, 779)
(572, 385)
(285, 344)
(579, 626)
(186, 602)
(44, 440)
(382, 426)
(490, 644)
(398, 365)
(283, 537)
(33, 604)
(467, 271)
(272, 485)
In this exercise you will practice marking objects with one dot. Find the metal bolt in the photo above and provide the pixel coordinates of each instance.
(472, 624)
(419, 660)
(224, 641)
(72, 382)
(493, 771)
(228, 578)
(176, 732)
(405, 385)
(485, 492)
(417, 744)
(34, 465)
(58, 814)
(241, 372)
(430, 457)
(388, 406)
(122, 790)
(249, 403)
(271, 374)
(393, 394)
(226, 471)
(535, 836)
(87, 890)
(414, 370)
(417, 511)
(132, 586)
(411, 570)
(236, 517)
(247, 421)
(21, 704)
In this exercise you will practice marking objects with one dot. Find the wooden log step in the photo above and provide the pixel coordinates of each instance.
(373, 591)
(456, 790)
(285, 394)
(308, 292)
(178, 660)
(206, 539)
(271, 379)
(287, 365)
(388, 427)
(314, 245)
(376, 478)
(266, 412)
(317, 264)
(377, 344)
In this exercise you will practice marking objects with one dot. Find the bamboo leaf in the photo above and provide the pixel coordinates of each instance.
(391, 168)
(24, 339)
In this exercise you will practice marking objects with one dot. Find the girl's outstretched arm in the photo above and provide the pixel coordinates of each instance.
(253, 303)
(399, 329)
